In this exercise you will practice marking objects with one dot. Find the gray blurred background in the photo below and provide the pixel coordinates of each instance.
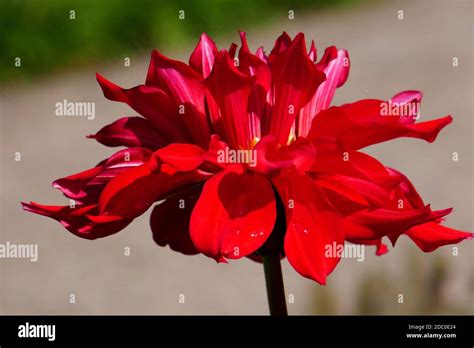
(387, 55)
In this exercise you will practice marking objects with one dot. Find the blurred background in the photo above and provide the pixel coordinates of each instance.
(393, 45)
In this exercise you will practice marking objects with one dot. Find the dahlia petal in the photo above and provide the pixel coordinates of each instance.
(335, 62)
(234, 215)
(369, 122)
(231, 89)
(313, 227)
(86, 186)
(260, 53)
(130, 132)
(281, 44)
(301, 153)
(312, 54)
(182, 157)
(202, 58)
(333, 159)
(381, 248)
(295, 80)
(431, 235)
(406, 191)
(361, 191)
(152, 103)
(232, 50)
(268, 154)
(74, 186)
(252, 65)
(344, 198)
(184, 86)
(407, 97)
(376, 223)
(169, 221)
(132, 192)
(77, 220)
(336, 71)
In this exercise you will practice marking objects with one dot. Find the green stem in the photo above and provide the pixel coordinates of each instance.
(274, 283)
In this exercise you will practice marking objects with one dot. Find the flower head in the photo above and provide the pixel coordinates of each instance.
(235, 141)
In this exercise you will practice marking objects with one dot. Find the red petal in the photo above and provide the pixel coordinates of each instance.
(268, 155)
(131, 193)
(431, 235)
(301, 153)
(295, 80)
(333, 159)
(77, 220)
(312, 54)
(252, 65)
(153, 104)
(231, 89)
(76, 186)
(184, 86)
(202, 58)
(234, 215)
(182, 157)
(407, 97)
(345, 198)
(363, 123)
(374, 224)
(131, 132)
(281, 44)
(272, 156)
(86, 186)
(313, 227)
(169, 221)
(336, 69)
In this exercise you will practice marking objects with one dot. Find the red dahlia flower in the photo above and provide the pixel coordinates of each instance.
(238, 144)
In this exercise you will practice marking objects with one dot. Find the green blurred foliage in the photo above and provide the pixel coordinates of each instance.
(42, 34)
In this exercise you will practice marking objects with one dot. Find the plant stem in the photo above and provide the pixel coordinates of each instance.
(274, 283)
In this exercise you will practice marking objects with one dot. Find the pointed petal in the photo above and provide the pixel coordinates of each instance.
(234, 215)
(131, 132)
(281, 44)
(371, 121)
(184, 86)
(295, 80)
(431, 235)
(86, 186)
(312, 54)
(202, 58)
(407, 97)
(336, 70)
(231, 89)
(252, 65)
(76, 220)
(153, 104)
(313, 227)
(374, 224)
